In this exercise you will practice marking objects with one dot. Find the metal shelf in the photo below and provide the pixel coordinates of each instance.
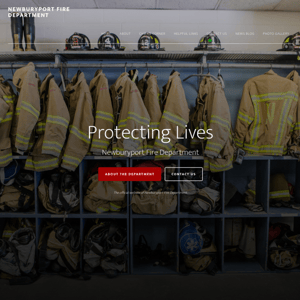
(274, 57)
(131, 55)
(23, 56)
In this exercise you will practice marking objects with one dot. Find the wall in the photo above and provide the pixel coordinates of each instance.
(178, 30)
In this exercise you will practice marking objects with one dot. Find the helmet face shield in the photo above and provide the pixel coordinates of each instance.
(209, 42)
(149, 41)
(78, 41)
(109, 41)
(296, 41)
(145, 43)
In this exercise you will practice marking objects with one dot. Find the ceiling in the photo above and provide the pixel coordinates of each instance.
(252, 5)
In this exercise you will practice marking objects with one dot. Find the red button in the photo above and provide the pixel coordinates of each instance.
(129, 174)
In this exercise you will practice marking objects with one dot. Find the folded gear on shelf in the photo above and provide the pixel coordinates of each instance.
(59, 192)
(59, 249)
(105, 196)
(19, 195)
(198, 250)
(105, 246)
(17, 257)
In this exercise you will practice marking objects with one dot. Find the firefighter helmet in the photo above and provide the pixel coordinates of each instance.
(78, 41)
(109, 41)
(209, 42)
(149, 41)
(291, 43)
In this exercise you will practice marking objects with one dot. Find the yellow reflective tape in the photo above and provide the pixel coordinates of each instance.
(245, 120)
(28, 110)
(72, 157)
(175, 116)
(219, 123)
(224, 120)
(173, 121)
(58, 123)
(105, 113)
(54, 142)
(34, 109)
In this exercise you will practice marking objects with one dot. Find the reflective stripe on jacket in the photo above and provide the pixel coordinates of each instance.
(266, 115)
(7, 104)
(103, 111)
(79, 101)
(51, 128)
(212, 112)
(27, 110)
(175, 114)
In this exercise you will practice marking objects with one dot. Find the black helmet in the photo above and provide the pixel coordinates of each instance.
(209, 42)
(109, 41)
(149, 41)
(78, 41)
(291, 43)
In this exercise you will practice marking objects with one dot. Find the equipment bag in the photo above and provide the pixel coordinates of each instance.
(17, 256)
(105, 196)
(20, 195)
(59, 250)
(106, 246)
(59, 193)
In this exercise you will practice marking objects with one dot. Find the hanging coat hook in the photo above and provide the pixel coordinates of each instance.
(219, 73)
(208, 67)
(126, 67)
(147, 67)
(49, 68)
(12, 69)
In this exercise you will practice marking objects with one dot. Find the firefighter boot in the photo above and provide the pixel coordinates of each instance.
(17, 33)
(29, 33)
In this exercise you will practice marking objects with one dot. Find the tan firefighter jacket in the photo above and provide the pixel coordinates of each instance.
(27, 110)
(130, 113)
(51, 128)
(7, 104)
(103, 111)
(79, 101)
(212, 112)
(266, 115)
(150, 93)
(175, 116)
(294, 143)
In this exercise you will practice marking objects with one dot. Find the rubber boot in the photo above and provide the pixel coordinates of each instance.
(29, 33)
(17, 33)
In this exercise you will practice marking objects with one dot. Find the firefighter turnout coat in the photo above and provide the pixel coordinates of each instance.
(79, 102)
(175, 115)
(212, 112)
(130, 113)
(294, 143)
(51, 128)
(7, 104)
(150, 92)
(267, 115)
(103, 111)
(27, 111)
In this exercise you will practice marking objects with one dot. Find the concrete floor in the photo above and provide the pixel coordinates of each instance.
(227, 286)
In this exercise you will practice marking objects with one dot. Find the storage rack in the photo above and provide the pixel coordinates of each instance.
(261, 166)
